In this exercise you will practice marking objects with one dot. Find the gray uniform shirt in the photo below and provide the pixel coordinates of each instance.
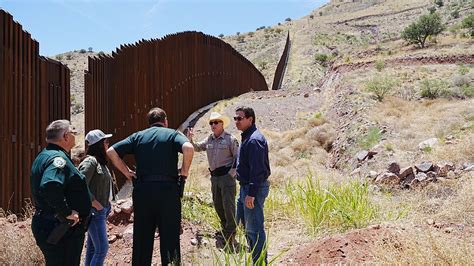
(221, 151)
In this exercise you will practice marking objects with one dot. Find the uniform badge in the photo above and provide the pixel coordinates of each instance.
(59, 162)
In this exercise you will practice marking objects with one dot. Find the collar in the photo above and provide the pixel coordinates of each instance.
(248, 131)
(220, 136)
(52, 146)
(156, 125)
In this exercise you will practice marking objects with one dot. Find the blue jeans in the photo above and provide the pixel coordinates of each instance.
(97, 242)
(253, 219)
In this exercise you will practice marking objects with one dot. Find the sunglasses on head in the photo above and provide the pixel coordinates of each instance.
(214, 122)
(238, 118)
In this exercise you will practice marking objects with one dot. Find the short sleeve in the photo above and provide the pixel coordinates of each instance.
(179, 140)
(55, 171)
(126, 146)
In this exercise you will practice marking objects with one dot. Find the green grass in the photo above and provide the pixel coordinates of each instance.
(373, 136)
(380, 86)
(197, 212)
(341, 206)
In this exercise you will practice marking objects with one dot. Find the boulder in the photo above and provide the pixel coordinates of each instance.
(12, 218)
(388, 179)
(444, 168)
(404, 172)
(394, 167)
(421, 177)
(362, 155)
(424, 167)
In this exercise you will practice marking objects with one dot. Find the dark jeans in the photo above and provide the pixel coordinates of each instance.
(67, 251)
(223, 196)
(156, 204)
(97, 242)
(253, 219)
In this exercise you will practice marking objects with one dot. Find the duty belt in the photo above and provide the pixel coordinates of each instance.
(220, 171)
(156, 178)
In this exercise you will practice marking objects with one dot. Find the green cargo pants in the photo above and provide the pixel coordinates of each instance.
(223, 196)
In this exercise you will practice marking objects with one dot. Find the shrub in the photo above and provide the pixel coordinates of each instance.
(221, 35)
(288, 19)
(238, 33)
(379, 65)
(380, 86)
(439, 3)
(311, 16)
(455, 13)
(468, 91)
(419, 31)
(240, 39)
(463, 70)
(262, 65)
(432, 9)
(468, 23)
(101, 53)
(59, 57)
(373, 136)
(69, 56)
(461, 80)
(251, 34)
(322, 59)
(320, 13)
(90, 50)
(278, 30)
(433, 88)
(82, 51)
(335, 205)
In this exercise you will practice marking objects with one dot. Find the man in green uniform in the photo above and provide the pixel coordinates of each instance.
(59, 193)
(156, 199)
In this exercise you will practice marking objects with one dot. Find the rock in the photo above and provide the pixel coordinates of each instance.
(467, 125)
(318, 90)
(12, 218)
(407, 180)
(127, 207)
(424, 167)
(355, 172)
(421, 177)
(194, 242)
(432, 175)
(387, 179)
(468, 167)
(449, 142)
(451, 175)
(306, 95)
(404, 172)
(205, 242)
(448, 230)
(119, 235)
(450, 137)
(372, 174)
(394, 167)
(117, 210)
(429, 143)
(128, 232)
(112, 239)
(22, 226)
(444, 168)
(430, 221)
(371, 154)
(362, 155)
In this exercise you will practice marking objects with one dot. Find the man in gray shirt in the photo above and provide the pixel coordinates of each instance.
(222, 149)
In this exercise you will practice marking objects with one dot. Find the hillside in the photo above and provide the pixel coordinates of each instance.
(355, 178)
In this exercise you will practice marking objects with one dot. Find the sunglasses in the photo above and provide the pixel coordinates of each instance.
(214, 122)
(238, 118)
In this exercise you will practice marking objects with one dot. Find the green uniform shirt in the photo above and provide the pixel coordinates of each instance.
(56, 184)
(155, 149)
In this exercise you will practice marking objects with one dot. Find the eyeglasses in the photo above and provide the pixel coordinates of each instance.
(238, 118)
(214, 122)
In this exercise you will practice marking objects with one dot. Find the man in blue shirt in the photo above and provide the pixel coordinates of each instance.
(253, 170)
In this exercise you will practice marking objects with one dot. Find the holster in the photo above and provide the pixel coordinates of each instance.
(60, 230)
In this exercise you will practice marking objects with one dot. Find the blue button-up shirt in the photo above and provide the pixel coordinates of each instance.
(253, 166)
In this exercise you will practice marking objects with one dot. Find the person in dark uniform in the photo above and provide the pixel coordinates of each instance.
(59, 192)
(156, 197)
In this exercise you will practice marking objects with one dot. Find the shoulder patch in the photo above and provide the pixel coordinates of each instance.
(59, 162)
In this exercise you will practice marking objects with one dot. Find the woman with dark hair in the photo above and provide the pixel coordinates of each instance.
(100, 181)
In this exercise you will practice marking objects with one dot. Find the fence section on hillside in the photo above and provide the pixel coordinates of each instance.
(281, 67)
(33, 92)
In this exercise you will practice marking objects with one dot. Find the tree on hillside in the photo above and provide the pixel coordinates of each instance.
(419, 31)
(468, 23)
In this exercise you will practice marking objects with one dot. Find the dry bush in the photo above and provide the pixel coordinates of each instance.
(424, 246)
(323, 135)
(299, 145)
(460, 152)
(17, 246)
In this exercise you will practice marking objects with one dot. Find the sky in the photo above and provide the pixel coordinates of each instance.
(65, 25)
